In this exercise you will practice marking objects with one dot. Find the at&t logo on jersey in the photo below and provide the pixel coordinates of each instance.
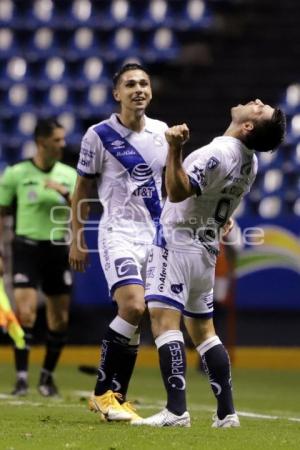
(141, 172)
(144, 191)
(125, 267)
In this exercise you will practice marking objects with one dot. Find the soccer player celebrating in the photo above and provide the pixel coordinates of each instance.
(40, 255)
(126, 155)
(203, 192)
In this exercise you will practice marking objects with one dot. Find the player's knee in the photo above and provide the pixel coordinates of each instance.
(58, 324)
(163, 320)
(26, 318)
(133, 308)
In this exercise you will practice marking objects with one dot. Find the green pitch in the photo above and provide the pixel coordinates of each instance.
(268, 402)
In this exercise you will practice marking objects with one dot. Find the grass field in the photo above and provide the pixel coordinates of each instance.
(268, 402)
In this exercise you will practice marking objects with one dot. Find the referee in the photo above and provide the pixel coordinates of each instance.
(40, 188)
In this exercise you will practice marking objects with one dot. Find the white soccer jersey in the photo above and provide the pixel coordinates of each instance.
(128, 168)
(222, 173)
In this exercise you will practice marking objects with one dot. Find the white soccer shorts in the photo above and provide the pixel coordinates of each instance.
(123, 262)
(181, 280)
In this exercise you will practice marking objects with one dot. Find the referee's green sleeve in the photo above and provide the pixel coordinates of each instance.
(7, 187)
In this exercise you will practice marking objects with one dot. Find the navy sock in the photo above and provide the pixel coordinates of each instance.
(22, 355)
(124, 369)
(113, 345)
(217, 366)
(172, 362)
(55, 343)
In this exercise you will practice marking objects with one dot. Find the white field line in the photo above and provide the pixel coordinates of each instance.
(7, 399)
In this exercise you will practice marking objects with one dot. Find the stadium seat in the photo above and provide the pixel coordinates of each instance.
(273, 181)
(15, 100)
(7, 10)
(25, 124)
(154, 14)
(43, 43)
(296, 206)
(193, 14)
(55, 99)
(161, 45)
(28, 149)
(270, 207)
(19, 128)
(114, 14)
(82, 43)
(90, 70)
(291, 100)
(72, 125)
(8, 44)
(52, 71)
(123, 44)
(13, 70)
(97, 100)
(38, 13)
(80, 13)
(295, 126)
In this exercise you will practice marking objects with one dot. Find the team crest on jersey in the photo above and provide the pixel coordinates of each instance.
(177, 288)
(212, 163)
(141, 172)
(125, 267)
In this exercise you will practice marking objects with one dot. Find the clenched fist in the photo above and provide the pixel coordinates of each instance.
(177, 136)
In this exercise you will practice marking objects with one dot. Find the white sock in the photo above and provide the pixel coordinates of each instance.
(123, 327)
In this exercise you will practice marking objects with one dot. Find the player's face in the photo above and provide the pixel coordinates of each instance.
(253, 111)
(133, 90)
(53, 145)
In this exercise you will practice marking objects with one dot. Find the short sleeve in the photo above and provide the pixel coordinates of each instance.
(205, 172)
(91, 155)
(8, 187)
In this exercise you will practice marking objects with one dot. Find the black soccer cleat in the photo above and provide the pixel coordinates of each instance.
(21, 388)
(47, 387)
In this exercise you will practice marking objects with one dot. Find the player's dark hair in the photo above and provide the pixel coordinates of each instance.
(267, 134)
(126, 68)
(45, 127)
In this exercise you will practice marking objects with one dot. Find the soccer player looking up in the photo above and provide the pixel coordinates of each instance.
(202, 192)
(40, 256)
(126, 155)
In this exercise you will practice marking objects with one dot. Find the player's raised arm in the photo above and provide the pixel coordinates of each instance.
(78, 256)
(178, 185)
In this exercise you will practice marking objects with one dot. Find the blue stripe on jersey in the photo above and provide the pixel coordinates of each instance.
(195, 185)
(137, 167)
(86, 175)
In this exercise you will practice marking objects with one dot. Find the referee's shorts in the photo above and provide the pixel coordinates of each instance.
(41, 264)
